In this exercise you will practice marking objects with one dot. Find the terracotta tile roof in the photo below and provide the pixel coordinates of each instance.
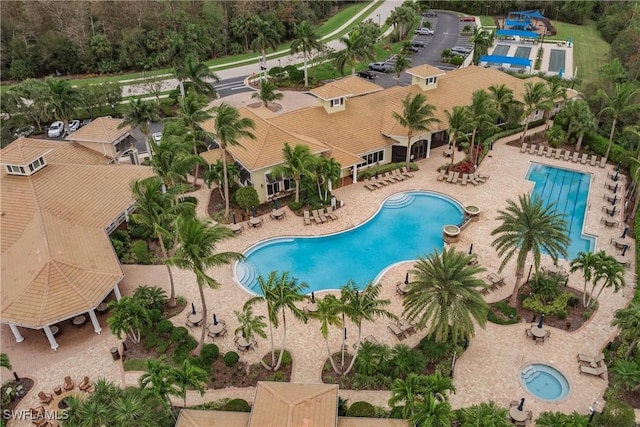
(57, 260)
(346, 87)
(212, 156)
(294, 405)
(103, 130)
(425, 71)
(371, 422)
(266, 149)
(64, 153)
(343, 157)
(194, 418)
(18, 153)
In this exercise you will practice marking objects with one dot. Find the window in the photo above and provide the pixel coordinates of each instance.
(335, 102)
(16, 170)
(276, 186)
(431, 80)
(536, 114)
(371, 158)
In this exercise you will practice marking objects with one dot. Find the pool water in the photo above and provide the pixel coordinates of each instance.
(545, 382)
(569, 190)
(406, 226)
(556, 60)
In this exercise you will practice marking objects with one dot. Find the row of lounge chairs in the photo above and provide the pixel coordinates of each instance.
(493, 282)
(387, 178)
(557, 153)
(463, 178)
(319, 216)
(402, 328)
(592, 365)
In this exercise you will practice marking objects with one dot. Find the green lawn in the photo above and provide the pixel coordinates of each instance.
(340, 18)
(487, 21)
(590, 51)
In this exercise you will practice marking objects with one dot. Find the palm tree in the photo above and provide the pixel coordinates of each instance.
(486, 414)
(229, 128)
(188, 376)
(128, 316)
(157, 211)
(623, 101)
(581, 120)
(248, 324)
(586, 263)
(404, 361)
(192, 113)
(297, 162)
(266, 36)
(482, 40)
(372, 358)
(267, 93)
(558, 419)
(417, 116)
(141, 113)
(432, 413)
(173, 160)
(363, 306)
(64, 100)
(4, 361)
(555, 91)
(439, 385)
(158, 381)
(196, 72)
(406, 16)
(459, 122)
(610, 272)
(628, 320)
(356, 49)
(627, 374)
(327, 314)
(534, 98)
(410, 391)
(214, 175)
(504, 102)
(402, 63)
(305, 41)
(444, 295)
(546, 286)
(529, 228)
(129, 408)
(198, 241)
(266, 287)
(482, 115)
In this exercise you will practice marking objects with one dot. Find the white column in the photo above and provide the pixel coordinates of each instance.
(355, 174)
(52, 339)
(94, 320)
(126, 217)
(16, 332)
(429, 146)
(116, 292)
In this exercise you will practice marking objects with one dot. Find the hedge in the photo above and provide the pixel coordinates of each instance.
(374, 170)
(598, 144)
(361, 409)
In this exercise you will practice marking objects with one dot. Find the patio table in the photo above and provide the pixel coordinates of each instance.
(619, 243)
(538, 332)
(277, 214)
(79, 320)
(623, 261)
(195, 319)
(312, 307)
(216, 329)
(517, 415)
(255, 222)
(235, 227)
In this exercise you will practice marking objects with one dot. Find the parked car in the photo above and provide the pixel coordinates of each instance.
(460, 50)
(366, 74)
(468, 19)
(425, 31)
(417, 44)
(430, 14)
(157, 137)
(56, 130)
(74, 125)
(380, 66)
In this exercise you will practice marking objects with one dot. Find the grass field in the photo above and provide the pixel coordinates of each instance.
(487, 21)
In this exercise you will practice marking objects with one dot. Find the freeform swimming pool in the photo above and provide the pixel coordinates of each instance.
(569, 190)
(406, 226)
(545, 382)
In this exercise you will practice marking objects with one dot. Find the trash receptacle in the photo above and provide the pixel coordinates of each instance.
(115, 353)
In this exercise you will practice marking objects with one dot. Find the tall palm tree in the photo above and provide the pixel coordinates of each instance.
(128, 316)
(486, 414)
(158, 381)
(64, 99)
(504, 102)
(365, 305)
(266, 287)
(357, 48)
(529, 228)
(482, 115)
(535, 98)
(609, 272)
(297, 163)
(196, 252)
(214, 175)
(621, 102)
(432, 413)
(173, 159)
(406, 17)
(192, 113)
(555, 92)
(305, 41)
(417, 116)
(585, 263)
(482, 40)
(444, 295)
(249, 325)
(229, 127)
(140, 113)
(157, 211)
(266, 36)
(581, 120)
(196, 72)
(402, 63)
(459, 123)
(628, 320)
(328, 316)
(267, 93)
(188, 376)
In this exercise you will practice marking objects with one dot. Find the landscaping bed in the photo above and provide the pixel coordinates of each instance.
(10, 399)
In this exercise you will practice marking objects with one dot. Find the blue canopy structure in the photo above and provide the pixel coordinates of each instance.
(496, 59)
(514, 33)
(531, 14)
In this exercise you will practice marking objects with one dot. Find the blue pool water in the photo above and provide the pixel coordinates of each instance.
(544, 382)
(569, 190)
(406, 226)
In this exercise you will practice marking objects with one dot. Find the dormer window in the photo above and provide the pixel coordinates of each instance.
(29, 169)
(431, 80)
(336, 102)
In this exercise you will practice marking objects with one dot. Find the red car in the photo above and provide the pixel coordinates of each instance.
(468, 19)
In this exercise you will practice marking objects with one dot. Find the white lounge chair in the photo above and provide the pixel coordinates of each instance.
(524, 147)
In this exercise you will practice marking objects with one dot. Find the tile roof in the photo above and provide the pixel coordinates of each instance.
(57, 260)
(19, 153)
(345, 87)
(102, 130)
(425, 71)
(212, 156)
(294, 405)
(195, 418)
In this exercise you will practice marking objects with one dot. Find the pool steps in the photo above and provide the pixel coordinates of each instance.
(247, 274)
(399, 201)
(530, 374)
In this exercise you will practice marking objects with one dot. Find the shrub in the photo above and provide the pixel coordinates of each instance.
(163, 345)
(151, 340)
(155, 315)
(164, 326)
(295, 75)
(246, 197)
(179, 334)
(189, 199)
(286, 359)
(231, 358)
(535, 304)
(616, 413)
(295, 207)
(140, 251)
(373, 170)
(361, 409)
(456, 60)
(237, 405)
(396, 412)
(562, 314)
(123, 237)
(277, 377)
(432, 350)
(208, 353)
(182, 350)
(555, 135)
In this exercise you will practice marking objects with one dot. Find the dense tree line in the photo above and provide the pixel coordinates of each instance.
(50, 37)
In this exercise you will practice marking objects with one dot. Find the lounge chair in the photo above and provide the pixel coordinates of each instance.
(593, 371)
(84, 384)
(45, 397)
(330, 213)
(532, 149)
(540, 151)
(472, 179)
(406, 172)
(68, 383)
(584, 158)
(477, 178)
(397, 175)
(319, 218)
(368, 185)
(406, 327)
(594, 160)
(465, 177)
(591, 360)
(574, 159)
(549, 151)
(379, 182)
(442, 176)
(567, 155)
(451, 176)
(388, 178)
(307, 218)
(558, 153)
(523, 148)
(399, 333)
(603, 162)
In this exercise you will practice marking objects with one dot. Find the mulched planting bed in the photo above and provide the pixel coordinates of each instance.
(216, 208)
(27, 385)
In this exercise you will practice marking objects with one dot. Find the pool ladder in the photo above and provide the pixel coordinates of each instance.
(529, 374)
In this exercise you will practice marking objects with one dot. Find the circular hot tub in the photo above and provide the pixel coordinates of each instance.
(545, 382)
(450, 233)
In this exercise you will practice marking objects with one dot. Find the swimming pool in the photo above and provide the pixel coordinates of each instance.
(557, 60)
(545, 382)
(569, 190)
(406, 226)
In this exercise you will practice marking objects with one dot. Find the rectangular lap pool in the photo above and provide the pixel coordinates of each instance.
(556, 60)
(569, 191)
